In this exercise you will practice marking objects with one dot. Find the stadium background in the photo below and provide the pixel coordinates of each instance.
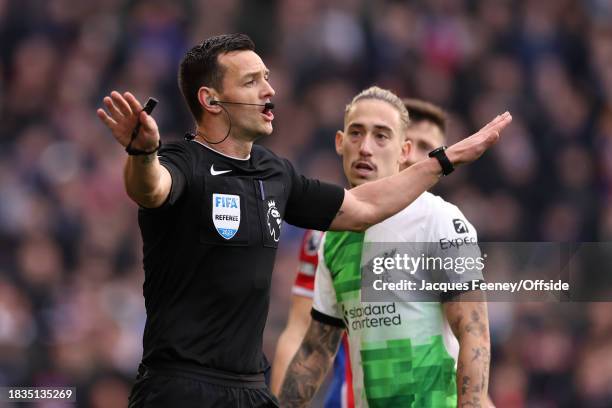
(71, 308)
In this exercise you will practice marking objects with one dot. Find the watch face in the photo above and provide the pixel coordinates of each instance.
(434, 151)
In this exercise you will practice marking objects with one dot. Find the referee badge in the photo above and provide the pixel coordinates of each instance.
(226, 214)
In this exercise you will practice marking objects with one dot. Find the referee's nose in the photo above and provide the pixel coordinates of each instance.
(268, 91)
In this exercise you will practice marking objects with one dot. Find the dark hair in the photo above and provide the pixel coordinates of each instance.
(200, 66)
(419, 110)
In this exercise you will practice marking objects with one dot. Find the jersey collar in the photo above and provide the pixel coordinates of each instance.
(222, 154)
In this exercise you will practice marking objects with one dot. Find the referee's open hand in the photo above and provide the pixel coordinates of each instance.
(471, 148)
(124, 112)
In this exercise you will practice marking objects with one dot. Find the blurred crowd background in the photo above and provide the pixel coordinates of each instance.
(71, 306)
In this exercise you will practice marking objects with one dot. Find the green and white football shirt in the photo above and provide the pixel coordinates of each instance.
(403, 353)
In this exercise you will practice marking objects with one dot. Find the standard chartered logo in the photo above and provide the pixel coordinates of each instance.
(368, 316)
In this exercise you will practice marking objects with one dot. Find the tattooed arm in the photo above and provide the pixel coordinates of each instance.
(468, 318)
(310, 364)
(290, 339)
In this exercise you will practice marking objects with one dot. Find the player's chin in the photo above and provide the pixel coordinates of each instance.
(363, 175)
(357, 180)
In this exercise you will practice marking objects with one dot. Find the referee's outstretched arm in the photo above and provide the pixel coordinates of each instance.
(373, 202)
(147, 182)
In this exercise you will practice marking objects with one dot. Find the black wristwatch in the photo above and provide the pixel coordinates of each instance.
(445, 163)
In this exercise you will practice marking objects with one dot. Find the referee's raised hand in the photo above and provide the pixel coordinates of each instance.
(471, 148)
(124, 112)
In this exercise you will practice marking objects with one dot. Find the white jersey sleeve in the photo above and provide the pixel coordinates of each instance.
(325, 300)
(455, 240)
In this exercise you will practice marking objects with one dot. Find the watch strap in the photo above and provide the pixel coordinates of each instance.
(445, 163)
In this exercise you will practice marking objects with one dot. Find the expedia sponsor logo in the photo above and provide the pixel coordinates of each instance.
(226, 214)
(460, 226)
(446, 243)
(368, 316)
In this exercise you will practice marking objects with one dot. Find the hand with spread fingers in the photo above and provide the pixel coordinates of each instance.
(471, 148)
(124, 113)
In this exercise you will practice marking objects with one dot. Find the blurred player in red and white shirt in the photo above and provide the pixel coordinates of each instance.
(304, 282)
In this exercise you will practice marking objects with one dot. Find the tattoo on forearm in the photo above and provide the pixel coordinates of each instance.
(482, 355)
(310, 364)
(474, 403)
(456, 323)
(478, 353)
(477, 368)
(465, 385)
(484, 379)
(471, 327)
(476, 326)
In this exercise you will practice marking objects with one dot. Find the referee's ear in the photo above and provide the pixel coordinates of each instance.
(205, 96)
(339, 139)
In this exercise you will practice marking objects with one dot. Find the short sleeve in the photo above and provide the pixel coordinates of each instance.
(312, 204)
(455, 241)
(325, 306)
(177, 159)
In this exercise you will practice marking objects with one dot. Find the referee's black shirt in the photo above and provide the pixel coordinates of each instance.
(209, 253)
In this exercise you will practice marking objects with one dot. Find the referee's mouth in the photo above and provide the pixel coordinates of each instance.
(364, 168)
(268, 115)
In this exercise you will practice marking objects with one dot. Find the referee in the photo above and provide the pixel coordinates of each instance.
(210, 215)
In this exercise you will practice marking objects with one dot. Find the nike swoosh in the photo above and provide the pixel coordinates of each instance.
(215, 172)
